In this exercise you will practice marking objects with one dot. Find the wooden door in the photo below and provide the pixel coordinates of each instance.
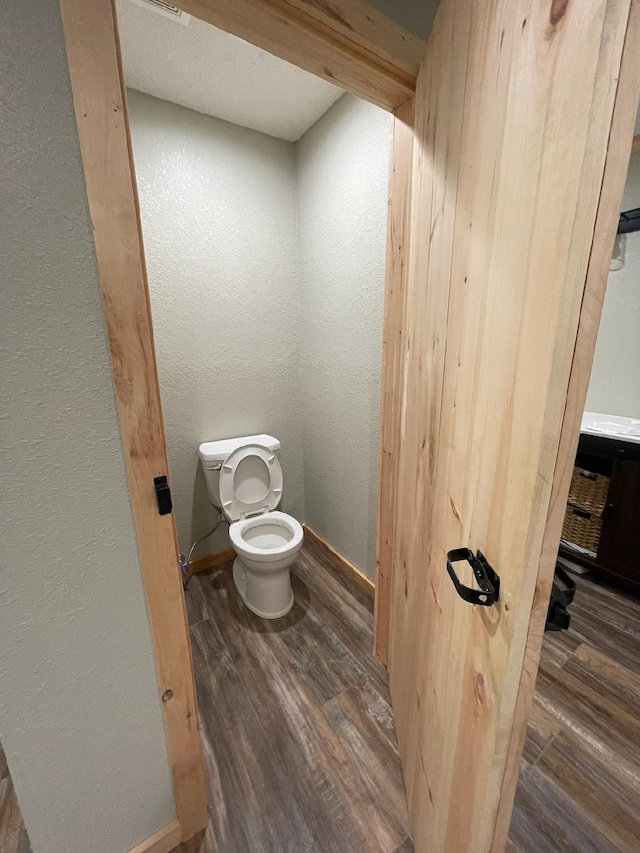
(522, 131)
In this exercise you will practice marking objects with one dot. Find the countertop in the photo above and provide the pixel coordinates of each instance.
(611, 426)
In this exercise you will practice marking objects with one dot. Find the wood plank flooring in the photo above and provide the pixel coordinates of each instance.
(579, 786)
(13, 835)
(299, 734)
(300, 744)
(298, 731)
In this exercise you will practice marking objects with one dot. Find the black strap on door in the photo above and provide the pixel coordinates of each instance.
(488, 580)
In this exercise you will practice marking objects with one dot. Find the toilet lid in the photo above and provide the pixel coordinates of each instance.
(250, 481)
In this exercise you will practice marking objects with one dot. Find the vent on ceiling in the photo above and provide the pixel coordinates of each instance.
(165, 9)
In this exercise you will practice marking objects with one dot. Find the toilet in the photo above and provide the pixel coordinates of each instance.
(244, 480)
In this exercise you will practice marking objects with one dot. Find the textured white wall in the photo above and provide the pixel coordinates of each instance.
(414, 15)
(343, 164)
(219, 224)
(79, 713)
(614, 388)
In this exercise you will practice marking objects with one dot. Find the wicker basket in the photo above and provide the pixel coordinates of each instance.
(581, 528)
(585, 506)
(588, 491)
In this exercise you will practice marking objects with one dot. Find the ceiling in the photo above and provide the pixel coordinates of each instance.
(213, 72)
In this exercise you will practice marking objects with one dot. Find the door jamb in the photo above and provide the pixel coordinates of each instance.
(371, 58)
(397, 266)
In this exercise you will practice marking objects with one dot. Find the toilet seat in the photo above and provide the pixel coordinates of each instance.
(267, 545)
(250, 482)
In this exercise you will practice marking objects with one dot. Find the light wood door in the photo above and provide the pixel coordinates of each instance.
(521, 117)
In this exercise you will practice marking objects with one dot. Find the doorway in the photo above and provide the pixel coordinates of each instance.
(367, 55)
(264, 218)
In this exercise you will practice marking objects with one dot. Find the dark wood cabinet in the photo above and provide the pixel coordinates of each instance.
(618, 554)
(619, 550)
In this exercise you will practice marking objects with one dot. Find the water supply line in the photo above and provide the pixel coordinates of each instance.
(186, 566)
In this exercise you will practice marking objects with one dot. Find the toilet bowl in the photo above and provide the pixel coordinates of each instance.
(247, 485)
(266, 545)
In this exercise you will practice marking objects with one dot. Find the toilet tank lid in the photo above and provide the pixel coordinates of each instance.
(214, 452)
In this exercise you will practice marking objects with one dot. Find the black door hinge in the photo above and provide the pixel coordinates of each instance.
(163, 495)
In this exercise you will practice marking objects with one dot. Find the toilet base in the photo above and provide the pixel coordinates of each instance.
(266, 593)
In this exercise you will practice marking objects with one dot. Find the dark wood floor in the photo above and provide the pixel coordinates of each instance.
(299, 734)
(13, 835)
(298, 730)
(579, 787)
(300, 744)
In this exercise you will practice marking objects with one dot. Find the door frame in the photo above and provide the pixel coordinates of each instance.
(397, 268)
(348, 43)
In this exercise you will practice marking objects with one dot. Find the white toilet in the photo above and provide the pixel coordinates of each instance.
(244, 479)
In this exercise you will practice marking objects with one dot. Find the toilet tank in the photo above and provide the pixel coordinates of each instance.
(213, 453)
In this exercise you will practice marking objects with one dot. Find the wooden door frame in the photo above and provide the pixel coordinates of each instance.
(397, 267)
(344, 41)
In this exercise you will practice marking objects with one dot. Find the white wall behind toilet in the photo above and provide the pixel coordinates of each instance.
(614, 388)
(268, 315)
(343, 164)
(219, 222)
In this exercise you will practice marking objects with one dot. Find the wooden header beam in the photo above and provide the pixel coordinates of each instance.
(347, 42)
